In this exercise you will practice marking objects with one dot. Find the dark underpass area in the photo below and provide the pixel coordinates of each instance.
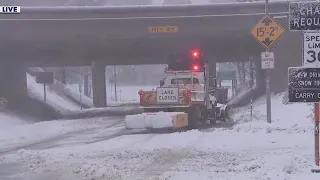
(38, 110)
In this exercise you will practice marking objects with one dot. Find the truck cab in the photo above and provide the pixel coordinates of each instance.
(194, 81)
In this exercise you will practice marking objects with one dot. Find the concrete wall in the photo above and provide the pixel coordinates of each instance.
(13, 82)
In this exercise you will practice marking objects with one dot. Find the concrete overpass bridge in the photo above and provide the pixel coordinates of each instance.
(79, 35)
(59, 36)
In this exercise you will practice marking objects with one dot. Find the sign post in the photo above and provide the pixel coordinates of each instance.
(80, 84)
(316, 137)
(267, 31)
(44, 78)
(304, 16)
(251, 85)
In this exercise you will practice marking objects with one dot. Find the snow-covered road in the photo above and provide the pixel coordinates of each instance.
(223, 154)
(103, 150)
(48, 134)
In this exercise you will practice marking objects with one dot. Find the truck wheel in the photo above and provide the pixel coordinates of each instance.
(227, 117)
(193, 117)
(226, 113)
(204, 114)
(213, 120)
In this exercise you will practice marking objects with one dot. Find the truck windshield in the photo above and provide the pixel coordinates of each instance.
(184, 81)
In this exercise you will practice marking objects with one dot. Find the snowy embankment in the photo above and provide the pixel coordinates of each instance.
(249, 150)
(127, 95)
(59, 98)
(54, 100)
(65, 91)
(73, 94)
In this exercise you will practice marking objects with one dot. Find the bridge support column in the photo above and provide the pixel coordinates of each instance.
(99, 84)
(13, 83)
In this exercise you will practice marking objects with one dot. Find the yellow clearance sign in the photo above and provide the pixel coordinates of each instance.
(267, 31)
(163, 29)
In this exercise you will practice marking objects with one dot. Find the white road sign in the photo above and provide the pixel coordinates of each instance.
(167, 95)
(267, 60)
(311, 49)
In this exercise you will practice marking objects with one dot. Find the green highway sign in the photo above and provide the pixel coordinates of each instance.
(226, 75)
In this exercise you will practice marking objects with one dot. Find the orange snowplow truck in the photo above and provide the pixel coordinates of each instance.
(183, 98)
(178, 102)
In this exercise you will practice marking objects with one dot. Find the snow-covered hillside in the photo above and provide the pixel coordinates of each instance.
(248, 150)
(293, 117)
(59, 103)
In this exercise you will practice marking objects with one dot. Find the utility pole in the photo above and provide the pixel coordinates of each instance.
(44, 92)
(268, 78)
(251, 86)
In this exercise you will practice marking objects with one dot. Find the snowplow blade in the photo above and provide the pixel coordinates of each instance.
(157, 120)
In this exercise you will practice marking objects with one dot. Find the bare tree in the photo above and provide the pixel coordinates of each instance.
(3, 104)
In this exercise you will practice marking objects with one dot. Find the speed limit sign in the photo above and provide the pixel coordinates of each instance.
(311, 49)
